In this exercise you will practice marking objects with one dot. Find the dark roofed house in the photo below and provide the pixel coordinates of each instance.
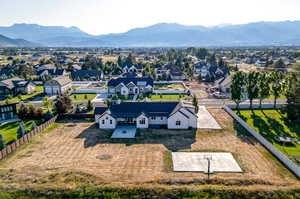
(128, 86)
(43, 74)
(16, 85)
(8, 112)
(174, 72)
(173, 115)
(87, 75)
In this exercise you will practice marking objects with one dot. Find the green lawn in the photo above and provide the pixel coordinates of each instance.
(39, 90)
(169, 86)
(272, 123)
(82, 97)
(9, 131)
(168, 97)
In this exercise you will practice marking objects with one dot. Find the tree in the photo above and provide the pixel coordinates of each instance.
(63, 104)
(195, 103)
(89, 105)
(237, 83)
(276, 85)
(48, 103)
(263, 87)
(23, 112)
(31, 111)
(33, 126)
(279, 64)
(2, 144)
(251, 80)
(21, 131)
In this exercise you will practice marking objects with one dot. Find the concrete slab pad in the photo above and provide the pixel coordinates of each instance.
(124, 132)
(221, 162)
(206, 120)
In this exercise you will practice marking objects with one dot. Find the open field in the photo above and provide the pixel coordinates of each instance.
(82, 97)
(272, 123)
(9, 131)
(79, 154)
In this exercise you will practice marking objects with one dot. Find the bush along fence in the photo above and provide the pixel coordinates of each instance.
(25, 139)
(278, 154)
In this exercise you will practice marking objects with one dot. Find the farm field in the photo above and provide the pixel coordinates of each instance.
(79, 154)
(168, 97)
(82, 97)
(272, 123)
(9, 131)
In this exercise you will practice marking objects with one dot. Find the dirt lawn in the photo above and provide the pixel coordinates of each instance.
(81, 152)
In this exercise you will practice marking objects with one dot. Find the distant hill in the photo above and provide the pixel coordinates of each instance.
(164, 35)
(8, 42)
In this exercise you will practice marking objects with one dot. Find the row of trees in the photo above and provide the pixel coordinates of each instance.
(261, 85)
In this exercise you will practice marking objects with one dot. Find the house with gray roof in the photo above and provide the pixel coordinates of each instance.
(58, 85)
(171, 115)
(130, 86)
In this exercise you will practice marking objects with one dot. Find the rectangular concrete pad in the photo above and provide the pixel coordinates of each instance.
(206, 120)
(221, 162)
(124, 132)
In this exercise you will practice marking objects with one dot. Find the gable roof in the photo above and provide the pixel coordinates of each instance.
(63, 80)
(10, 82)
(84, 74)
(53, 72)
(100, 110)
(135, 109)
(136, 81)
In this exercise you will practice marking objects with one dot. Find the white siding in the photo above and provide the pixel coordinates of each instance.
(158, 121)
(192, 118)
(142, 126)
(184, 123)
(107, 122)
(124, 91)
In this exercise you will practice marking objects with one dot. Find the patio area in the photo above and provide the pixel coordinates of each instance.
(124, 132)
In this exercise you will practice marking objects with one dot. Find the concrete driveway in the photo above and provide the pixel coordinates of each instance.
(206, 120)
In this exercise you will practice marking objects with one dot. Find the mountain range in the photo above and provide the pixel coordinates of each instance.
(8, 42)
(162, 35)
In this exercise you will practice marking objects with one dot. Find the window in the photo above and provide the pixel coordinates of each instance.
(161, 118)
(103, 121)
(178, 123)
(110, 121)
(143, 121)
(153, 118)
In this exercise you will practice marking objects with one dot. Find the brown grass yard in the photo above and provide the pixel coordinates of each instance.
(79, 153)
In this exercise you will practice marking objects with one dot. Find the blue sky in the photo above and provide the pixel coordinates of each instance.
(111, 16)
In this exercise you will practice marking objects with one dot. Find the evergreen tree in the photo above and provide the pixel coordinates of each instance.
(2, 144)
(21, 131)
(195, 103)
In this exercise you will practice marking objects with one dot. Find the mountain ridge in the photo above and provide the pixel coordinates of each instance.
(163, 35)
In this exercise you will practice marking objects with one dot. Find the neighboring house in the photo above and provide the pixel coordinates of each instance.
(261, 63)
(6, 73)
(173, 71)
(224, 86)
(172, 115)
(8, 111)
(87, 75)
(58, 85)
(43, 74)
(14, 86)
(24, 87)
(130, 86)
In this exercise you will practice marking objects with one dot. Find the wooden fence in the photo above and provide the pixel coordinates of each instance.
(25, 139)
